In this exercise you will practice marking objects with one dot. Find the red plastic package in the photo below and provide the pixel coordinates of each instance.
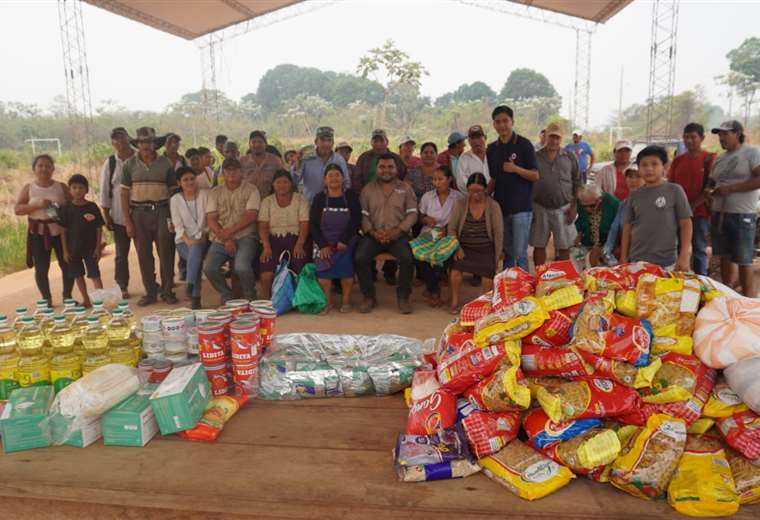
(584, 399)
(455, 342)
(511, 285)
(555, 332)
(218, 411)
(558, 361)
(612, 336)
(506, 390)
(436, 412)
(607, 278)
(489, 432)
(478, 308)
(556, 275)
(469, 366)
(742, 433)
(636, 270)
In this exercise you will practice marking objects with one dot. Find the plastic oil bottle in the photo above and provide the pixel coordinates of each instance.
(119, 347)
(33, 367)
(21, 313)
(100, 312)
(95, 341)
(45, 325)
(8, 358)
(69, 310)
(128, 314)
(78, 326)
(65, 366)
(135, 340)
(41, 306)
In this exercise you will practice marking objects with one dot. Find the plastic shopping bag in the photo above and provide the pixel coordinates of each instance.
(309, 297)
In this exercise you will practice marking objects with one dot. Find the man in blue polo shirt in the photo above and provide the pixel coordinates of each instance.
(513, 167)
(583, 152)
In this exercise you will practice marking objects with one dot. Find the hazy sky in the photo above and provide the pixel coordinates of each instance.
(142, 68)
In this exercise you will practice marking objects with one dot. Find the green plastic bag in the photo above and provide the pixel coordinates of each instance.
(309, 298)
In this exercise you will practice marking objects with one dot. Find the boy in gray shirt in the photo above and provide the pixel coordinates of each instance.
(657, 213)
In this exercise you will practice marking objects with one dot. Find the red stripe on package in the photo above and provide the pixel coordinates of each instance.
(469, 366)
(489, 432)
(436, 412)
(742, 433)
(512, 285)
(555, 332)
(556, 275)
(553, 361)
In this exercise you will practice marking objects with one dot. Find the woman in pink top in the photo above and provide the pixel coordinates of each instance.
(38, 200)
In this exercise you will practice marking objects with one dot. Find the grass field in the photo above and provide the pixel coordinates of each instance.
(13, 248)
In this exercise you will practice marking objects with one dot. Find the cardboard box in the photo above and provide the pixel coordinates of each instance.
(20, 423)
(180, 400)
(132, 421)
(91, 431)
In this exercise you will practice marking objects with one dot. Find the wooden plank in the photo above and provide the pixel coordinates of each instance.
(290, 483)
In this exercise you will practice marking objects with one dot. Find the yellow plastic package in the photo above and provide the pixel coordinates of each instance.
(701, 426)
(505, 390)
(512, 323)
(703, 484)
(723, 402)
(625, 303)
(746, 477)
(670, 305)
(647, 463)
(525, 472)
(513, 350)
(562, 298)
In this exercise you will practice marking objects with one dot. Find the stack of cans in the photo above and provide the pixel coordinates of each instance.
(152, 339)
(245, 346)
(266, 314)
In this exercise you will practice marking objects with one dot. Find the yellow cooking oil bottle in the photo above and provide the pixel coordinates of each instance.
(69, 309)
(100, 311)
(78, 326)
(21, 313)
(33, 366)
(119, 347)
(65, 366)
(8, 358)
(41, 306)
(95, 341)
(46, 323)
(128, 314)
(135, 340)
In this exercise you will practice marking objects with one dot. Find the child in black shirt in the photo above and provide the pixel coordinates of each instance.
(82, 225)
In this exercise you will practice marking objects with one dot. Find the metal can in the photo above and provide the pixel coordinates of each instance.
(240, 304)
(161, 369)
(151, 323)
(211, 343)
(174, 326)
(246, 378)
(219, 379)
(192, 341)
(225, 318)
(244, 341)
(144, 370)
(267, 317)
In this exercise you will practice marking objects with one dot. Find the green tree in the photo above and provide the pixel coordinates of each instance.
(744, 62)
(526, 84)
(467, 92)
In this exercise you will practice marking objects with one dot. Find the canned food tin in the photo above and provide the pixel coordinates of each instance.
(267, 317)
(161, 369)
(177, 357)
(151, 323)
(192, 341)
(244, 341)
(241, 304)
(173, 326)
(202, 315)
(144, 370)
(219, 379)
(211, 344)
(246, 378)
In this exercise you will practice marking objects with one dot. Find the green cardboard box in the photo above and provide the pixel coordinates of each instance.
(91, 431)
(20, 423)
(132, 421)
(180, 400)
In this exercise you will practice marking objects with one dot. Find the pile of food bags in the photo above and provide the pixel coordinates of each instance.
(614, 374)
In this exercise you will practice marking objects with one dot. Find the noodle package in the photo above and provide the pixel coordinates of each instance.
(505, 390)
(570, 400)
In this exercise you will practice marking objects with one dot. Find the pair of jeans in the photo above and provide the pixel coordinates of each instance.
(151, 226)
(733, 236)
(366, 252)
(193, 257)
(122, 243)
(699, 240)
(41, 259)
(429, 275)
(245, 252)
(516, 235)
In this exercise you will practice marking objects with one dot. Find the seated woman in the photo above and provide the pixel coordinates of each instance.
(421, 178)
(435, 209)
(596, 211)
(334, 222)
(477, 223)
(283, 226)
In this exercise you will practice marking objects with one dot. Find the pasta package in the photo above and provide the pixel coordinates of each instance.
(670, 305)
(723, 402)
(742, 432)
(727, 331)
(587, 453)
(610, 335)
(218, 411)
(489, 432)
(676, 380)
(569, 400)
(620, 371)
(703, 485)
(562, 298)
(454, 339)
(606, 279)
(505, 390)
(746, 477)
(543, 432)
(701, 426)
(647, 463)
(525, 472)
(510, 286)
(470, 365)
(556, 275)
(513, 322)
(475, 310)
(558, 362)
(436, 412)
(555, 331)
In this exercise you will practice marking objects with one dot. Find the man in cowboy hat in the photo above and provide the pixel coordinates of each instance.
(146, 183)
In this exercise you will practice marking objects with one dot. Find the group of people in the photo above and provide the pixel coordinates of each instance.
(238, 223)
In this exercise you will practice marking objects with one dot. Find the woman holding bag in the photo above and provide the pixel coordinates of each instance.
(334, 223)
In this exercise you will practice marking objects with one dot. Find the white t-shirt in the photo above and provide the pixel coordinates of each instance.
(468, 164)
(189, 216)
(430, 205)
(731, 168)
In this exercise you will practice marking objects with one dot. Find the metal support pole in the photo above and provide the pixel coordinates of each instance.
(662, 69)
(582, 91)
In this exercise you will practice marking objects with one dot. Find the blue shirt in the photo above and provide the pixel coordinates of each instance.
(312, 174)
(513, 193)
(616, 229)
(582, 152)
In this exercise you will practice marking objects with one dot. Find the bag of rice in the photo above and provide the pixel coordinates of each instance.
(525, 472)
(569, 400)
(556, 275)
(743, 379)
(510, 286)
(506, 390)
(513, 322)
(647, 463)
(746, 477)
(742, 432)
(559, 362)
(702, 484)
(727, 330)
(470, 365)
(489, 432)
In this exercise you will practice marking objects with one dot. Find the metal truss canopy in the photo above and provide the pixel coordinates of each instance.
(202, 17)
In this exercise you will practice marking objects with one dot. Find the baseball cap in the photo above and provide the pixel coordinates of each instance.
(729, 126)
(172, 135)
(554, 129)
(577, 131)
(623, 144)
(326, 132)
(476, 131)
(119, 130)
(407, 139)
(378, 132)
(455, 137)
(344, 144)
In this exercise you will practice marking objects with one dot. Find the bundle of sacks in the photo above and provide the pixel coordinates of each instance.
(613, 374)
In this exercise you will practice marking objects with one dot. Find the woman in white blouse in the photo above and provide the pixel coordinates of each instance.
(188, 210)
(435, 208)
